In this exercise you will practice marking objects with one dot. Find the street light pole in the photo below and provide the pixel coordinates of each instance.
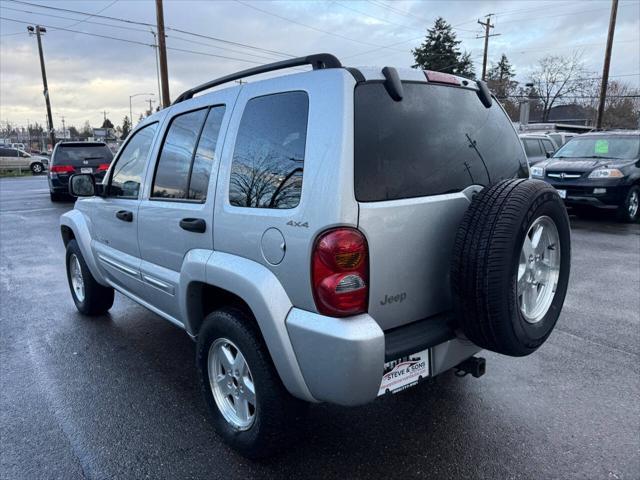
(131, 108)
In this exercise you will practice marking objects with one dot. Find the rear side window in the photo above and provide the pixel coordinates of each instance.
(437, 140)
(187, 155)
(268, 158)
(532, 147)
(129, 168)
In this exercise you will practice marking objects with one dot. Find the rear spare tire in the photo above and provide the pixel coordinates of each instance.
(510, 268)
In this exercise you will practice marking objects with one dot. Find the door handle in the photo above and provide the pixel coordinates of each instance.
(197, 225)
(125, 215)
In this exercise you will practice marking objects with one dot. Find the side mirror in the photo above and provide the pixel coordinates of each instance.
(82, 185)
(548, 154)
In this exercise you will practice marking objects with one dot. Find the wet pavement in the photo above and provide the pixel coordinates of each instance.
(117, 396)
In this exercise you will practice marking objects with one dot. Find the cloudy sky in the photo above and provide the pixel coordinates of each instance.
(95, 63)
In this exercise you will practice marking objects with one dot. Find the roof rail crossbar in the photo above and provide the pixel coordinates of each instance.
(317, 61)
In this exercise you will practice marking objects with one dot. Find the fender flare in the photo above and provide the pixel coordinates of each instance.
(263, 293)
(77, 222)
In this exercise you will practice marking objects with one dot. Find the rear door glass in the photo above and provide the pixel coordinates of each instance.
(438, 139)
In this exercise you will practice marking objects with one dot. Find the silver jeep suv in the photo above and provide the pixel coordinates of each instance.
(326, 236)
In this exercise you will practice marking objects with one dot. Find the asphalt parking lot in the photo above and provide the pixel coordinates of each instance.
(117, 396)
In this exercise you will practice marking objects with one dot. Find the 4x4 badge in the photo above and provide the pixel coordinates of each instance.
(291, 223)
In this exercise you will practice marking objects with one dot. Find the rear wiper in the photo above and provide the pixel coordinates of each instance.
(93, 158)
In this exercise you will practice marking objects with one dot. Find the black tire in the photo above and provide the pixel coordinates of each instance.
(486, 260)
(624, 212)
(37, 168)
(98, 299)
(278, 415)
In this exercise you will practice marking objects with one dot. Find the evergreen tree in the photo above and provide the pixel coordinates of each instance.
(500, 82)
(107, 123)
(440, 52)
(126, 127)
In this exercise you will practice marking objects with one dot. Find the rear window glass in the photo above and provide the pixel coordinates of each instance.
(532, 147)
(79, 153)
(436, 140)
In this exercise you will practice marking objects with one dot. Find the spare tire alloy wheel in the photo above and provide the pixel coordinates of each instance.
(510, 266)
(232, 384)
(539, 269)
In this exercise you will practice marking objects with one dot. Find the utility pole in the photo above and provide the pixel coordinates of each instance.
(38, 30)
(150, 106)
(64, 130)
(487, 25)
(162, 53)
(607, 63)
(104, 116)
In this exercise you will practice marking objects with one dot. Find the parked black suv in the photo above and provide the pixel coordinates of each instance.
(76, 157)
(597, 169)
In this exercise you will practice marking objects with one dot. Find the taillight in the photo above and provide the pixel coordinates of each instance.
(340, 272)
(62, 169)
(103, 167)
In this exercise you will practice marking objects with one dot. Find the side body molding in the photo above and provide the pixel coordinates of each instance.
(264, 294)
(77, 222)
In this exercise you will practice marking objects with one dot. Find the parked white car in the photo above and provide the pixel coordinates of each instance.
(13, 158)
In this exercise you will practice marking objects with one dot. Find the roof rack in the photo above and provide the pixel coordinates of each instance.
(317, 61)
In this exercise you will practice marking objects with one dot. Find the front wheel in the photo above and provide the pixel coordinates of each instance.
(250, 407)
(90, 297)
(629, 210)
(36, 168)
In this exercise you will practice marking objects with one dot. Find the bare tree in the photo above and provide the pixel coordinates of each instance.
(558, 77)
(622, 106)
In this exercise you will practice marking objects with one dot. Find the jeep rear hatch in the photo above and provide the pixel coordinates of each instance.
(412, 161)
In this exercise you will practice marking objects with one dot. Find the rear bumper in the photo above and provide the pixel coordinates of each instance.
(342, 360)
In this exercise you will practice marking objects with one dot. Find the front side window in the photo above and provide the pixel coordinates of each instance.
(129, 168)
(548, 146)
(532, 147)
(268, 158)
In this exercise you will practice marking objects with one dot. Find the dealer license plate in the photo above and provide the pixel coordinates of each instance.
(404, 372)
(86, 170)
(562, 193)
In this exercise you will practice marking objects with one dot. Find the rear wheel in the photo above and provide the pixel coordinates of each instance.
(629, 210)
(37, 168)
(90, 297)
(511, 266)
(250, 407)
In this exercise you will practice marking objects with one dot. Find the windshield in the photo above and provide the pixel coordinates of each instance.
(438, 139)
(611, 147)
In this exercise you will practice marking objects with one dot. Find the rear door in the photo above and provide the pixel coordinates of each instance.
(417, 163)
(176, 213)
(115, 216)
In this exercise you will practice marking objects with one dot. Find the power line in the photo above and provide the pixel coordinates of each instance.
(311, 27)
(145, 24)
(98, 12)
(131, 41)
(142, 30)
